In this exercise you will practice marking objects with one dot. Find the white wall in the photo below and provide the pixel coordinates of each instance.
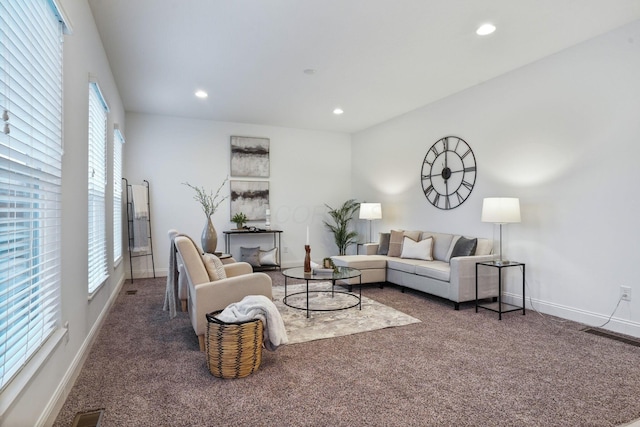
(308, 169)
(44, 393)
(563, 135)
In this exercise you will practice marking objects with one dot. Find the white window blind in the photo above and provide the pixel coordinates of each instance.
(97, 187)
(118, 141)
(30, 179)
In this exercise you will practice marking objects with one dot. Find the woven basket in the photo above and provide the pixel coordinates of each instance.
(234, 350)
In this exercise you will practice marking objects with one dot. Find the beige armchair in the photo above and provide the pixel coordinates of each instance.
(205, 296)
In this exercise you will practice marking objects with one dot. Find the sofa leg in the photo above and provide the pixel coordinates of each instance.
(456, 306)
(201, 342)
(402, 289)
(350, 288)
(183, 304)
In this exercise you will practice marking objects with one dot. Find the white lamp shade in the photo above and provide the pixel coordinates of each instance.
(370, 211)
(501, 210)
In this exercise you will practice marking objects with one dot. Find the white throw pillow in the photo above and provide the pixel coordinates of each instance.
(214, 267)
(268, 257)
(417, 250)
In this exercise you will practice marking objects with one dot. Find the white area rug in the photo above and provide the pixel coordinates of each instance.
(329, 324)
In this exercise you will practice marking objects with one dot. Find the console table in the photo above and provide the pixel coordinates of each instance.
(252, 233)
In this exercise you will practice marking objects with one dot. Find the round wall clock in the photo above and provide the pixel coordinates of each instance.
(448, 172)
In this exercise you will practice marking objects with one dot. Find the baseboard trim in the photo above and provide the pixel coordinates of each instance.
(51, 410)
(147, 274)
(588, 318)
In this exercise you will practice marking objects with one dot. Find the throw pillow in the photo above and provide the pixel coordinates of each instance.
(464, 247)
(269, 257)
(215, 268)
(250, 255)
(395, 241)
(417, 250)
(383, 244)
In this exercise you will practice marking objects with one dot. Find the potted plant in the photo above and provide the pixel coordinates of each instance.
(240, 219)
(209, 201)
(340, 228)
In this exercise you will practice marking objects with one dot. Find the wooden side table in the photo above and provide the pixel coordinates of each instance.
(499, 306)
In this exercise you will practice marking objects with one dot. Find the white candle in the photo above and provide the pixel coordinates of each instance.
(307, 235)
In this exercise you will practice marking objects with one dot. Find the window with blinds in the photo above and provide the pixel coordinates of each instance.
(118, 141)
(97, 187)
(30, 179)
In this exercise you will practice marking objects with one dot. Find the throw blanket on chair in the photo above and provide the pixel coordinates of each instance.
(258, 307)
(171, 294)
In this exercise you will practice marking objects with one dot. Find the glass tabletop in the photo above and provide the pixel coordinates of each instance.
(343, 273)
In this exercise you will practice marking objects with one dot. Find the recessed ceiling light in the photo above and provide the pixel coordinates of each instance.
(485, 29)
(201, 94)
(338, 111)
(309, 71)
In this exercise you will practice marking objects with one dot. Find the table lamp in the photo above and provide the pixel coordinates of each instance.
(501, 210)
(370, 211)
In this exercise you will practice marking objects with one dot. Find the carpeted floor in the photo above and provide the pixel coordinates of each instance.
(454, 368)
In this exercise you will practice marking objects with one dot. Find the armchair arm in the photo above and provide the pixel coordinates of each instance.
(238, 269)
(463, 278)
(212, 296)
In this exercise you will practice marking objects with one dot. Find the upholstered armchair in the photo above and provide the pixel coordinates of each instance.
(206, 295)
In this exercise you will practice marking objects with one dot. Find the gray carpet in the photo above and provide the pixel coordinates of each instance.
(454, 368)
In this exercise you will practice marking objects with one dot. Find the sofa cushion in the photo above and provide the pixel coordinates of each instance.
(361, 262)
(439, 270)
(383, 245)
(464, 247)
(269, 257)
(214, 267)
(396, 239)
(417, 250)
(405, 264)
(250, 255)
(441, 244)
(485, 247)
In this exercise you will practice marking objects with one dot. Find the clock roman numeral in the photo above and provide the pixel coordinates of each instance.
(468, 185)
(466, 153)
(428, 190)
(470, 169)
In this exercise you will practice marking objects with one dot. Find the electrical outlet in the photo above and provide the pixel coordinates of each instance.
(625, 293)
(285, 250)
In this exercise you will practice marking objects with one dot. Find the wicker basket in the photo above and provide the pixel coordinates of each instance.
(234, 350)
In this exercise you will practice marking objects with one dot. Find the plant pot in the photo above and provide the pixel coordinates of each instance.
(209, 238)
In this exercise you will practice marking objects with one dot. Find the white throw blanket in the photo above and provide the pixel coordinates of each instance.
(140, 201)
(258, 307)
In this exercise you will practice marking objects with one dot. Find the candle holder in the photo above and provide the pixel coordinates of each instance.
(307, 259)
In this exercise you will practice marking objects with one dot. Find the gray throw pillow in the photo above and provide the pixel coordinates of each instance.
(383, 244)
(250, 255)
(464, 247)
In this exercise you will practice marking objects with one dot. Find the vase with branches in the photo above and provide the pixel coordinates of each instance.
(209, 202)
(342, 216)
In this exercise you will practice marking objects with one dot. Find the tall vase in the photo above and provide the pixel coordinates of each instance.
(209, 238)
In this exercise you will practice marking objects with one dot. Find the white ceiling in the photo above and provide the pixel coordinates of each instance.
(376, 59)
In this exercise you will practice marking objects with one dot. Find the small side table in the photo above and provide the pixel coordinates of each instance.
(501, 307)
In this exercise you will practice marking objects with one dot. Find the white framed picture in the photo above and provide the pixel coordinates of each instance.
(249, 157)
(251, 198)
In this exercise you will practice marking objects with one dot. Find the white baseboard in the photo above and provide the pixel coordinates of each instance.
(588, 318)
(59, 397)
(145, 274)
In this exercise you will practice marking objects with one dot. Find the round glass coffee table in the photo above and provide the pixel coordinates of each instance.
(351, 298)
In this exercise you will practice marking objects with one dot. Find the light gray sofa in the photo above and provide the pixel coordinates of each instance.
(446, 275)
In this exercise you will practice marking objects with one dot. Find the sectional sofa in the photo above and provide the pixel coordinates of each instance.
(435, 263)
